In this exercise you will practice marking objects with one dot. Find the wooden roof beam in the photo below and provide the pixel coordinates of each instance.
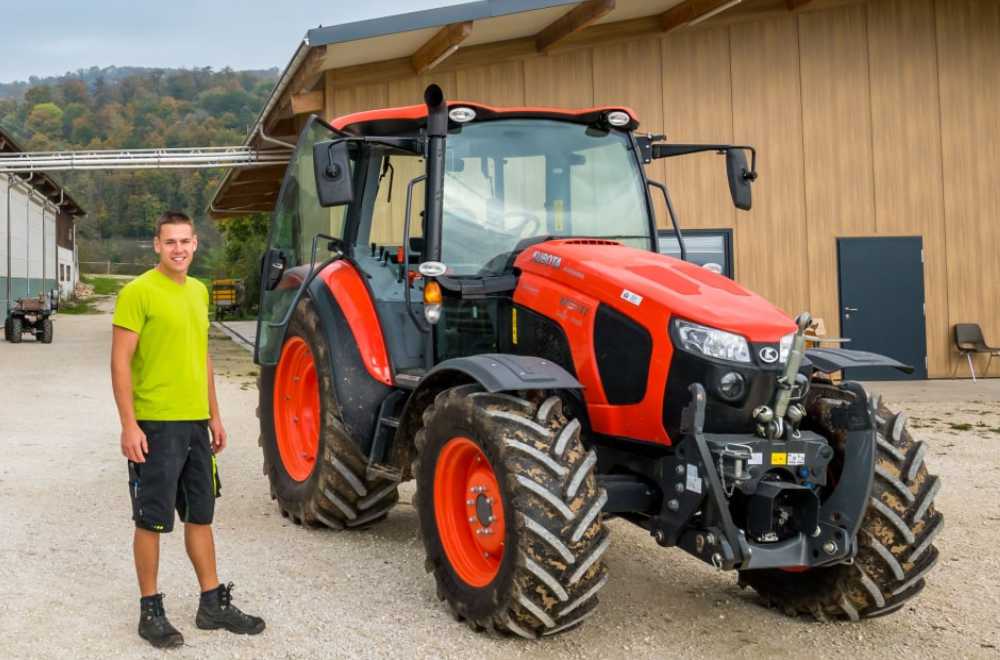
(439, 47)
(795, 4)
(573, 21)
(693, 11)
(305, 103)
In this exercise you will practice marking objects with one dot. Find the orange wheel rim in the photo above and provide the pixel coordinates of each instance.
(468, 508)
(296, 409)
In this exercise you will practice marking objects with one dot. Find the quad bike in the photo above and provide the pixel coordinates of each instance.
(31, 315)
(515, 343)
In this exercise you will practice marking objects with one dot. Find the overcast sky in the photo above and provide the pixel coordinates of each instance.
(55, 36)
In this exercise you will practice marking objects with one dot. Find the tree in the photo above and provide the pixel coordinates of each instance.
(47, 119)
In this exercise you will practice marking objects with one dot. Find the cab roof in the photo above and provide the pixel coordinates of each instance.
(385, 121)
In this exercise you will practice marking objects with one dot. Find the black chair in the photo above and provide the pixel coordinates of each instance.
(968, 340)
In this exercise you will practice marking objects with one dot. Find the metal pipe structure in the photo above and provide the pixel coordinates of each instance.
(127, 159)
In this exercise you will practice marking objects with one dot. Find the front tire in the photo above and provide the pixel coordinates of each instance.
(16, 330)
(316, 471)
(895, 542)
(510, 512)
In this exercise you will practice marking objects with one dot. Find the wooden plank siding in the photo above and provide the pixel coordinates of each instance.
(871, 118)
(968, 37)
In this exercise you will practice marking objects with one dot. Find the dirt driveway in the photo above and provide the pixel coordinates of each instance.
(67, 587)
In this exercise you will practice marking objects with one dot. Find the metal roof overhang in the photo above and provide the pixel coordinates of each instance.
(395, 38)
(43, 183)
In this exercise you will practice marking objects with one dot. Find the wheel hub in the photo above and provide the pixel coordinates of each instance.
(468, 507)
(297, 409)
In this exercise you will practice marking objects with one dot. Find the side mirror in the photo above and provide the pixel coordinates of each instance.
(740, 178)
(331, 163)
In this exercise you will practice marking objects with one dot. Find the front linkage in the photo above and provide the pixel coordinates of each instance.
(772, 480)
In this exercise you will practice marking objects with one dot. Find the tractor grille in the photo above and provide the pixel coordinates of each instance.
(623, 349)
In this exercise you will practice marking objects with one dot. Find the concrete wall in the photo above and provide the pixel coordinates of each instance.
(28, 251)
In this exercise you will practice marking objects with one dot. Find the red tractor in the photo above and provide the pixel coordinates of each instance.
(512, 339)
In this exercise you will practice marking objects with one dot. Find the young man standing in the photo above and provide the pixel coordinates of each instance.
(165, 392)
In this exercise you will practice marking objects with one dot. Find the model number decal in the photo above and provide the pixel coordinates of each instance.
(633, 298)
(796, 459)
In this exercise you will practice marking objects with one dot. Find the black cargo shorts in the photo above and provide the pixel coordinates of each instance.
(179, 473)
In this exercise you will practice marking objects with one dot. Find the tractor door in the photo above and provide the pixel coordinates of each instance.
(294, 248)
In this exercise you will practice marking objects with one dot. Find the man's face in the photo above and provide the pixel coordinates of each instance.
(176, 245)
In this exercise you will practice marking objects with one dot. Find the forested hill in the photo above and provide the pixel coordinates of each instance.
(109, 74)
(146, 109)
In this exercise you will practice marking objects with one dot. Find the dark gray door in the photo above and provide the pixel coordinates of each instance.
(882, 303)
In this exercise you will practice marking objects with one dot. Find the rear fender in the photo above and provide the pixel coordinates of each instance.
(358, 360)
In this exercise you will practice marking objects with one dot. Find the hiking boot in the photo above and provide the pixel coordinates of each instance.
(216, 610)
(153, 624)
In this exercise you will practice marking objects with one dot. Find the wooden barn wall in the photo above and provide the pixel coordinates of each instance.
(877, 118)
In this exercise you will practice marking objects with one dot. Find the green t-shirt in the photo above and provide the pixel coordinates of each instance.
(169, 367)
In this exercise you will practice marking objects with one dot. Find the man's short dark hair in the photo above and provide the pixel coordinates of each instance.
(173, 218)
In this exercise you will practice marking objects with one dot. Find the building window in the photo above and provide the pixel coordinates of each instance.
(62, 272)
(711, 248)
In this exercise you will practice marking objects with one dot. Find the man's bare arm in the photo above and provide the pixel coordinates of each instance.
(133, 440)
(215, 422)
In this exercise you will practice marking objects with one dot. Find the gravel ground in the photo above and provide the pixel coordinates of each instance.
(67, 587)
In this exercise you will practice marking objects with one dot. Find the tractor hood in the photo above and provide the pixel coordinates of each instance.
(646, 285)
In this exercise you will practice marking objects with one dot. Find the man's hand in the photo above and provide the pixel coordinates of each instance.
(134, 445)
(218, 434)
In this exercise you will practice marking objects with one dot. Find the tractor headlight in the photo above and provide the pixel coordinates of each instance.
(785, 347)
(711, 342)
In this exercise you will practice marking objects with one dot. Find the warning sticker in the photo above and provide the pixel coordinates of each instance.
(693, 480)
(756, 458)
(779, 458)
(631, 297)
(796, 459)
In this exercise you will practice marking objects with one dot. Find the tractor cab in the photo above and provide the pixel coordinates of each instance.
(370, 188)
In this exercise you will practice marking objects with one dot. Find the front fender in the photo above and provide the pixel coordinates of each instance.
(828, 360)
(502, 372)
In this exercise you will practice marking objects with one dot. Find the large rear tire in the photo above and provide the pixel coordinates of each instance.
(510, 512)
(896, 548)
(316, 471)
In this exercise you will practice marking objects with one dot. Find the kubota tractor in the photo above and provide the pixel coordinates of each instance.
(472, 297)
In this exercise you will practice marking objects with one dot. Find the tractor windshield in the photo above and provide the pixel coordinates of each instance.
(512, 180)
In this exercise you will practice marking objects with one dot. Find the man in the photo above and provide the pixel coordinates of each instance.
(165, 392)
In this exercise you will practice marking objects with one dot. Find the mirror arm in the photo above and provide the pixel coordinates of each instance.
(673, 217)
(673, 150)
(334, 245)
(421, 325)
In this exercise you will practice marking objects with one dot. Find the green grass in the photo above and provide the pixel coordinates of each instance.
(104, 286)
(75, 306)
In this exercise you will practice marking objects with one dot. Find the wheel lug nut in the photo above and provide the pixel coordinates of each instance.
(470, 502)
(472, 520)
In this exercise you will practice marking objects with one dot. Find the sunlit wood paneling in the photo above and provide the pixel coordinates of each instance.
(771, 248)
(495, 84)
(698, 107)
(906, 138)
(836, 128)
(968, 36)
(560, 80)
(629, 73)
